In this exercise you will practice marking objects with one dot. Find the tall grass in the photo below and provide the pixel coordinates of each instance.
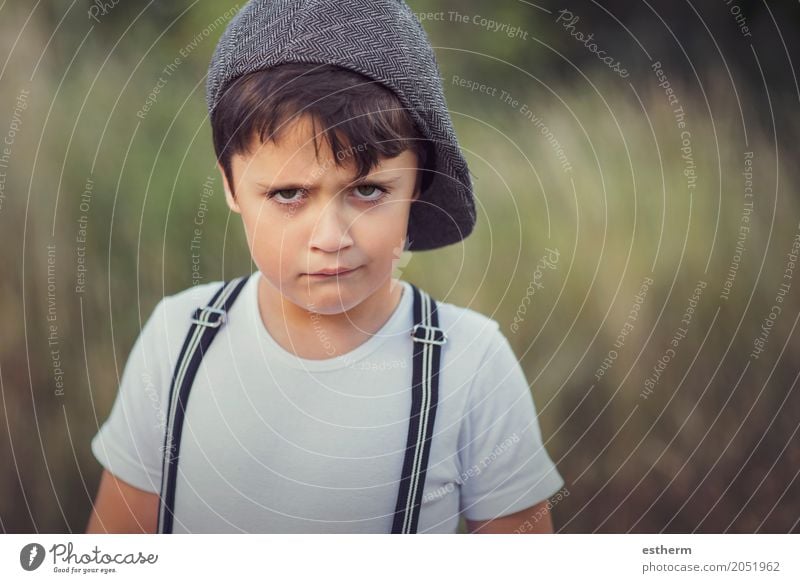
(710, 438)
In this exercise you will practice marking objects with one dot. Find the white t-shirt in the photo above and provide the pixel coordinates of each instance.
(274, 443)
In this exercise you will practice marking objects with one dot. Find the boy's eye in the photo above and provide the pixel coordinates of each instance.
(364, 192)
(285, 196)
(369, 192)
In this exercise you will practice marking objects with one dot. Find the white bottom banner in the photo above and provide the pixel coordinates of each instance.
(369, 558)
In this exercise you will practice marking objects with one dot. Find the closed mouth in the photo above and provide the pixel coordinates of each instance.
(332, 272)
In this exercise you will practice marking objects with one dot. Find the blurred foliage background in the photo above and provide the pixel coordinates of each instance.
(714, 448)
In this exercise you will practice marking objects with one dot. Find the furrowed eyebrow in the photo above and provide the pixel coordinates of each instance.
(388, 181)
(270, 186)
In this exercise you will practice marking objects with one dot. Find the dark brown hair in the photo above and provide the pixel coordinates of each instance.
(361, 120)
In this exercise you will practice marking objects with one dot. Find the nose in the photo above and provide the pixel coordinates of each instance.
(330, 232)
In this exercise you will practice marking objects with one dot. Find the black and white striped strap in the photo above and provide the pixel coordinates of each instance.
(428, 340)
(205, 324)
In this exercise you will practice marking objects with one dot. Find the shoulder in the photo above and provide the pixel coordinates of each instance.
(477, 345)
(169, 321)
(462, 319)
(179, 306)
(196, 295)
(468, 330)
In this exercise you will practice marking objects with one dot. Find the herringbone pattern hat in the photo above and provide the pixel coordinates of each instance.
(383, 40)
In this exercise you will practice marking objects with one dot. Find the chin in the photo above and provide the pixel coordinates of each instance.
(331, 302)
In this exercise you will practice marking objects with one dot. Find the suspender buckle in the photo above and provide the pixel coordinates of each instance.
(420, 334)
(203, 317)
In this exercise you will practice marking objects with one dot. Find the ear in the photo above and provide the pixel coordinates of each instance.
(229, 198)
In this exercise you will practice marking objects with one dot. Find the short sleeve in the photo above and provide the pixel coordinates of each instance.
(130, 442)
(504, 465)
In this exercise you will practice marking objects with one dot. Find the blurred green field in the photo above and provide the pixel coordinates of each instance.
(719, 426)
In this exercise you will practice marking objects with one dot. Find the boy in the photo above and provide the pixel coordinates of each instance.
(334, 397)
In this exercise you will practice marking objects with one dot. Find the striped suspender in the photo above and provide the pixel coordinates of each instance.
(428, 339)
(206, 323)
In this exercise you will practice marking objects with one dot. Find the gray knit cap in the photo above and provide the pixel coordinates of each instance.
(383, 40)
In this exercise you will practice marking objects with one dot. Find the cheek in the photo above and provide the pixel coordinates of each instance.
(268, 238)
(256, 227)
(381, 234)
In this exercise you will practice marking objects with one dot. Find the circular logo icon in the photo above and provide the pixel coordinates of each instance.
(31, 556)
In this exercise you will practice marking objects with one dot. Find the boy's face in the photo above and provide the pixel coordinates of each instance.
(304, 215)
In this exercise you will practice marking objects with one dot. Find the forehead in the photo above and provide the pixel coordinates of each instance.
(297, 142)
(300, 151)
